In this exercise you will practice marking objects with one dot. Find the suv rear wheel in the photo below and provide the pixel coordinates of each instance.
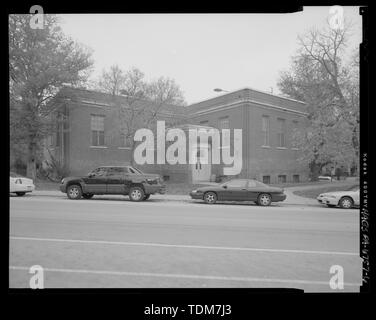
(136, 194)
(74, 192)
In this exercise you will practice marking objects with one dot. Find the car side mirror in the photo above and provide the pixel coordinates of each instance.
(224, 187)
(90, 175)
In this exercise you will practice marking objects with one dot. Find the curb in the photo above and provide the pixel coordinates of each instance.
(177, 198)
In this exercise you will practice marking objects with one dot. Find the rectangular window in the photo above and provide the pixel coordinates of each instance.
(97, 130)
(58, 136)
(281, 136)
(126, 142)
(265, 130)
(282, 178)
(204, 122)
(295, 178)
(224, 123)
(266, 179)
(295, 125)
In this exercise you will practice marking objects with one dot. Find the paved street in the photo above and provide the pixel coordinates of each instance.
(109, 241)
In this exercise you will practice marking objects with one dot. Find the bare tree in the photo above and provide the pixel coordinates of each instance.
(112, 80)
(321, 76)
(139, 103)
(41, 61)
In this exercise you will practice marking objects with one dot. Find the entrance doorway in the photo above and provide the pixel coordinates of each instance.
(202, 171)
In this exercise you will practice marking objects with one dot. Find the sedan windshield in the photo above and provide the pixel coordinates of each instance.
(241, 183)
(260, 184)
(135, 170)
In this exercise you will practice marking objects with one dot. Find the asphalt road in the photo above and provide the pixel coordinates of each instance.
(110, 242)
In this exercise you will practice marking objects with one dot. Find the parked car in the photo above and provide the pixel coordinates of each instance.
(239, 190)
(19, 184)
(325, 178)
(124, 180)
(344, 199)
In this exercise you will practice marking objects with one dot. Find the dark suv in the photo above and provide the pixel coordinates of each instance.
(124, 180)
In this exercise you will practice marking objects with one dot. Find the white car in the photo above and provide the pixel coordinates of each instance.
(19, 184)
(344, 199)
(325, 178)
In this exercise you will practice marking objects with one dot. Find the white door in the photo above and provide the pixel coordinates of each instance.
(201, 171)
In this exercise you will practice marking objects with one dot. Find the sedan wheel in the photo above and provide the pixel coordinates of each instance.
(136, 194)
(264, 199)
(74, 192)
(210, 197)
(346, 203)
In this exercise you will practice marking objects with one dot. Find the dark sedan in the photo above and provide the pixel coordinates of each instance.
(239, 190)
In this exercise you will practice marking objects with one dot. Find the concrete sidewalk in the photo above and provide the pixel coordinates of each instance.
(294, 199)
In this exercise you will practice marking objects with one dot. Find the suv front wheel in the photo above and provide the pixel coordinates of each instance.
(136, 194)
(74, 192)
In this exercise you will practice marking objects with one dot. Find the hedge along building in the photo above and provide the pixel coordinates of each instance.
(91, 134)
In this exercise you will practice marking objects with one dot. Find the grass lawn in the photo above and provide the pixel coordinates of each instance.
(313, 193)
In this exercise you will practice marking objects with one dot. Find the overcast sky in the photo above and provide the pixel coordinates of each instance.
(200, 51)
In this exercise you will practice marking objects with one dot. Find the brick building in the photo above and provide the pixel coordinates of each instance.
(90, 136)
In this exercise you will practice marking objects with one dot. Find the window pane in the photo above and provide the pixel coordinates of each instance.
(294, 133)
(236, 184)
(265, 130)
(251, 184)
(101, 138)
(281, 133)
(125, 141)
(97, 122)
(99, 172)
(131, 170)
(94, 138)
(137, 170)
(115, 171)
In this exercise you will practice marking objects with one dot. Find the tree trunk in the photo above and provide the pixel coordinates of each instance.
(315, 169)
(132, 162)
(31, 171)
